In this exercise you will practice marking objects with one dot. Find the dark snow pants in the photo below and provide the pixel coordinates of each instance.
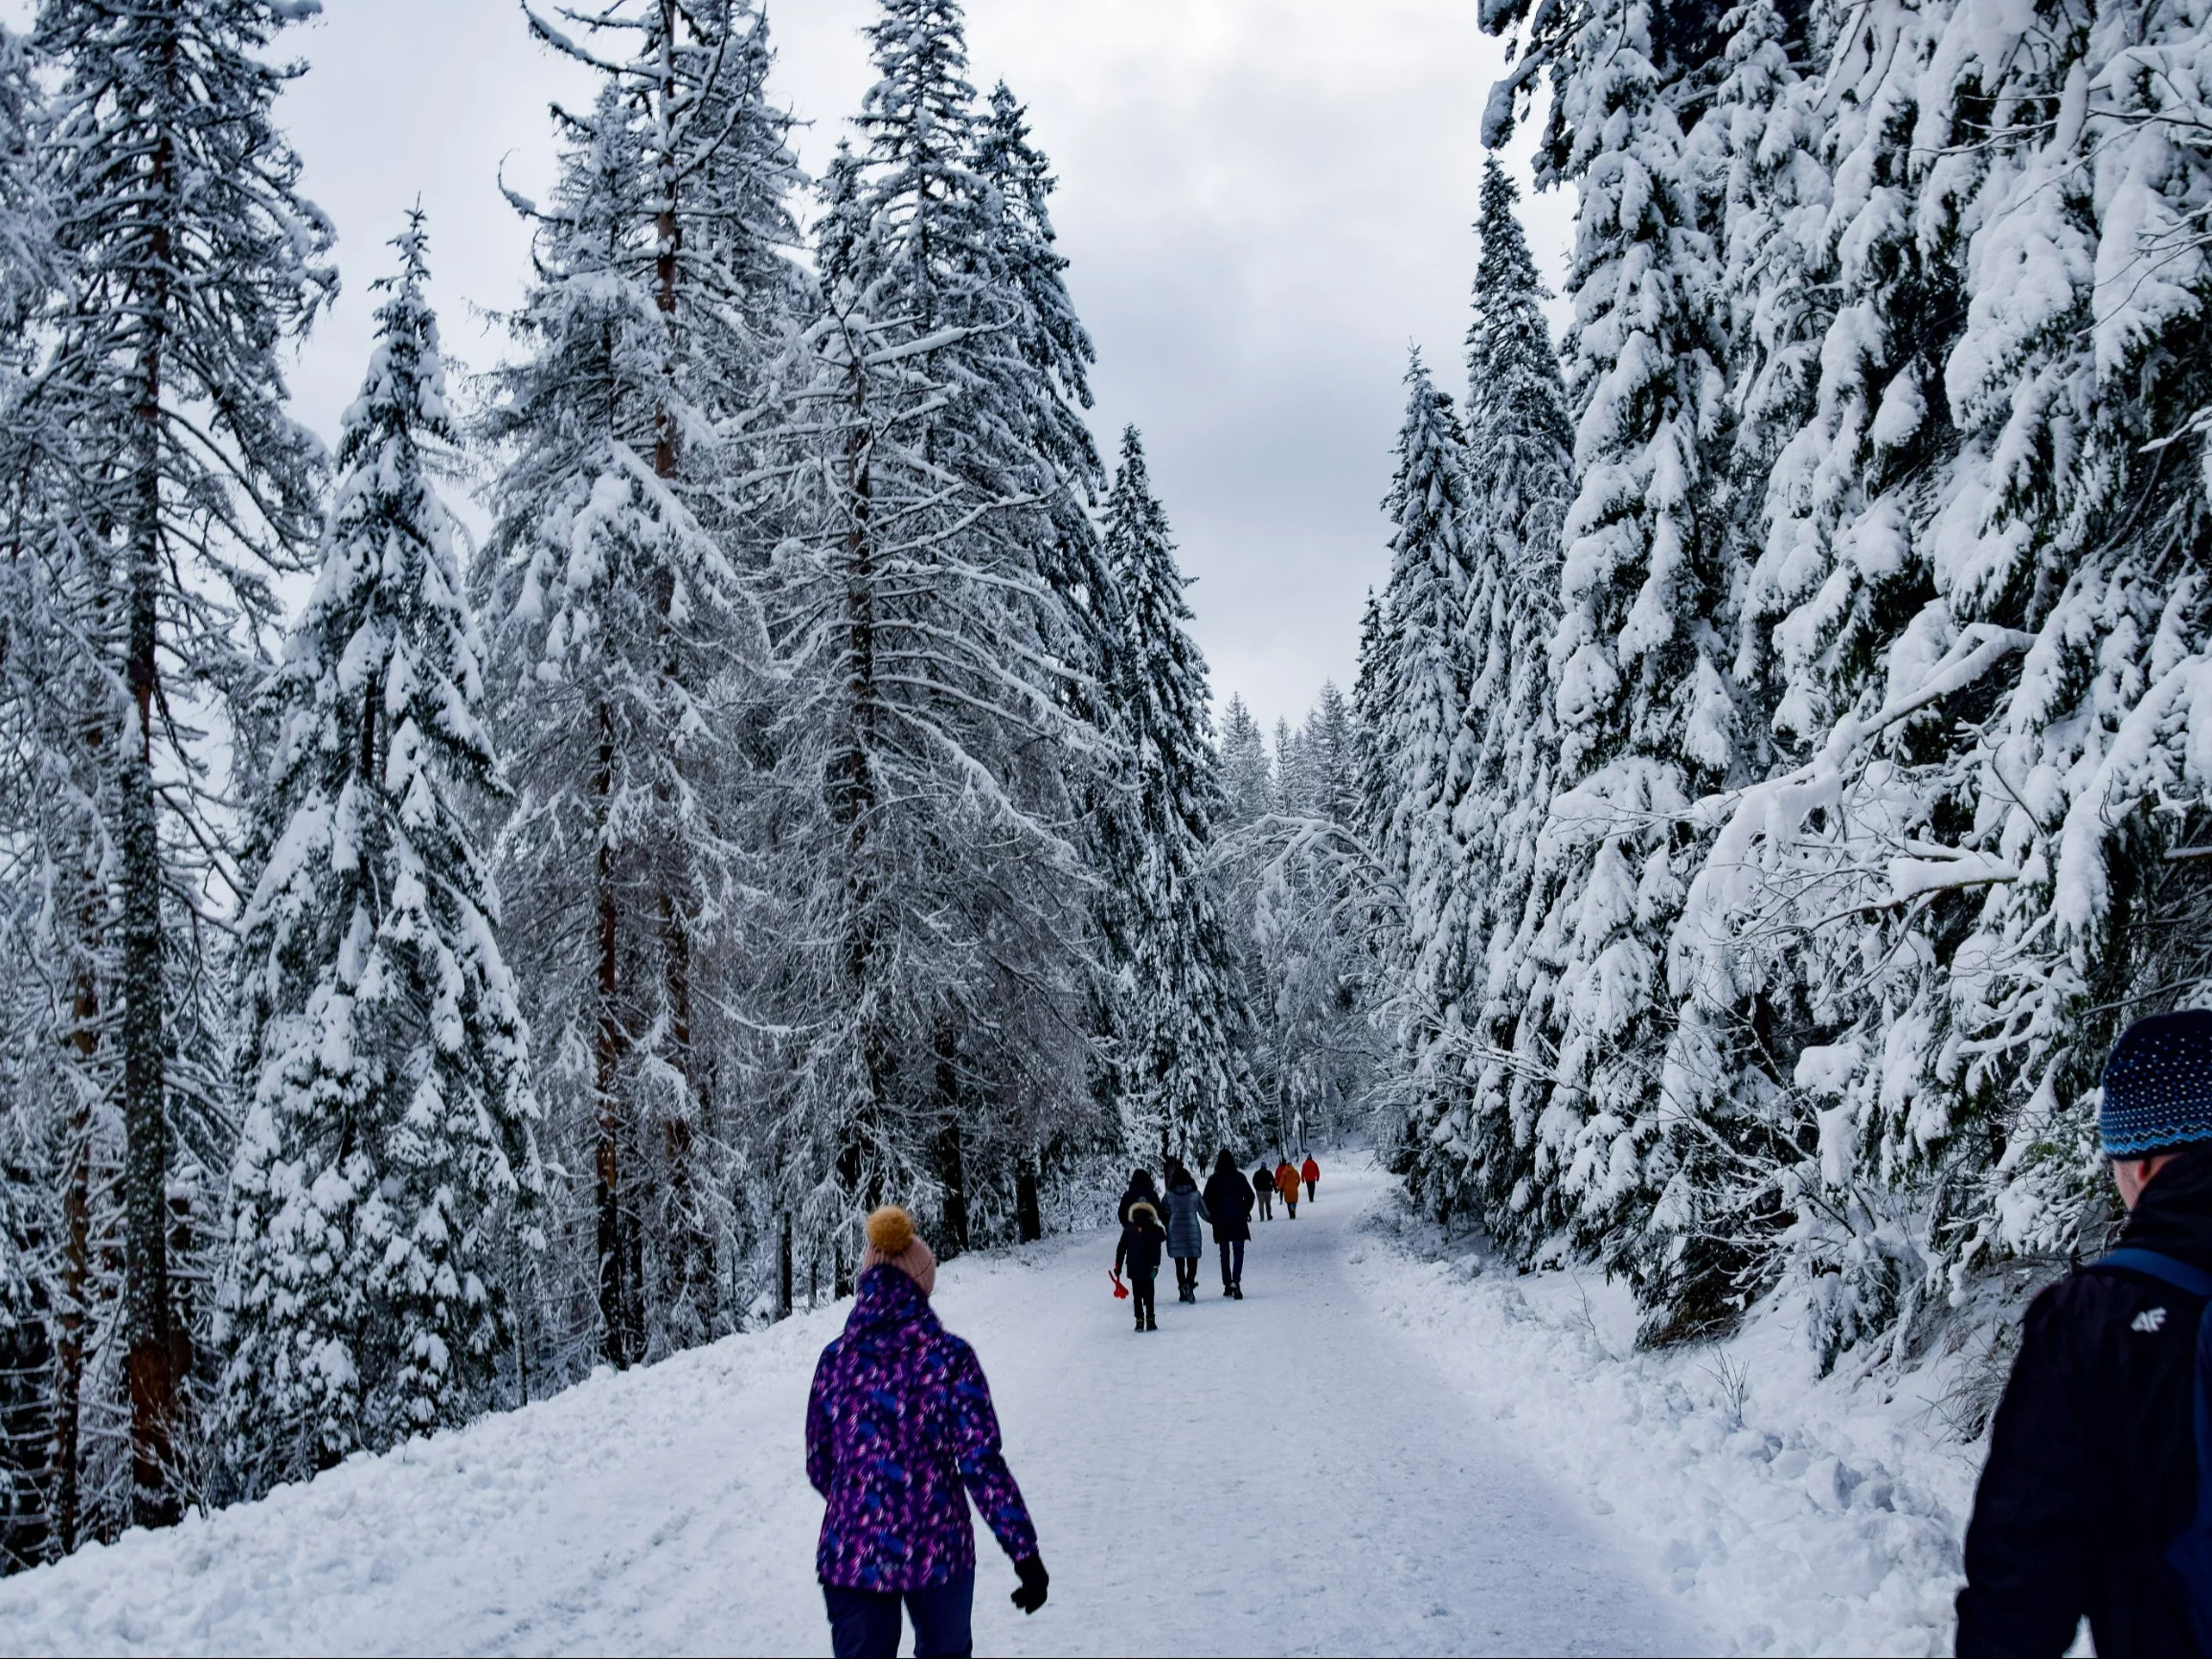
(1310, 1185)
(1142, 1289)
(1186, 1275)
(1232, 1261)
(863, 1624)
(1267, 1205)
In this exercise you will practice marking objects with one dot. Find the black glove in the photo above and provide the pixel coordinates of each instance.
(1031, 1595)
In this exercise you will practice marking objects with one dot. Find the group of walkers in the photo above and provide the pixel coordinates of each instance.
(1154, 1223)
(2095, 1501)
(900, 1432)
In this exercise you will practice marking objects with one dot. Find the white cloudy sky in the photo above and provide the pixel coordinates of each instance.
(1265, 201)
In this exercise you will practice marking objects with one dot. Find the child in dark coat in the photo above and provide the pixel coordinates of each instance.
(1143, 1236)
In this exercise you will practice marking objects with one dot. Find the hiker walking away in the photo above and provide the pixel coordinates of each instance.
(1144, 1235)
(1229, 1206)
(1185, 1209)
(1140, 1187)
(1263, 1189)
(2087, 1506)
(898, 1423)
(1312, 1171)
(1286, 1186)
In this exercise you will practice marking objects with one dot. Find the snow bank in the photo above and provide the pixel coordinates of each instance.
(1794, 1513)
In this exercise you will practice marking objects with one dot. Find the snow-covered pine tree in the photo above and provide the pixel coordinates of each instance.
(634, 435)
(56, 957)
(2074, 517)
(1184, 1023)
(1419, 708)
(1248, 775)
(191, 263)
(1471, 1145)
(1646, 712)
(1305, 895)
(389, 1134)
(666, 298)
(930, 637)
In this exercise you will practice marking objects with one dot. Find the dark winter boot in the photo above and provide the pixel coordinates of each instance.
(1150, 1323)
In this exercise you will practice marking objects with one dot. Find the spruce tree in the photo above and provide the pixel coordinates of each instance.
(1646, 708)
(940, 622)
(1422, 704)
(1187, 1081)
(389, 1132)
(1471, 1147)
(630, 432)
(1247, 776)
(192, 262)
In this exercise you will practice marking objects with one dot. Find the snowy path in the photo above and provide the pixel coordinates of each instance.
(1290, 1474)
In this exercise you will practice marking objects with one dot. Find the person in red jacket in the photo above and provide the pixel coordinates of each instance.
(1313, 1174)
(1286, 1182)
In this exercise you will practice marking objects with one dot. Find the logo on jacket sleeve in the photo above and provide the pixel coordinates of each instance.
(2150, 1319)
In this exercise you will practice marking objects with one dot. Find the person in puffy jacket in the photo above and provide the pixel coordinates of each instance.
(1263, 1189)
(1186, 1243)
(1144, 1235)
(1312, 1174)
(1139, 1189)
(1286, 1185)
(2091, 1476)
(1229, 1206)
(899, 1435)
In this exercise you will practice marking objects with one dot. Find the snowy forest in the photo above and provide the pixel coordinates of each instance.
(433, 965)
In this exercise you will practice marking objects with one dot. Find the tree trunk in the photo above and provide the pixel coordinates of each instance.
(73, 1315)
(617, 1321)
(154, 1344)
(690, 1249)
(952, 1176)
(784, 1270)
(854, 786)
(1029, 1215)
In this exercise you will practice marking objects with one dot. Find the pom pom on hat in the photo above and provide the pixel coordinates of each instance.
(892, 1243)
(2158, 1086)
(890, 1229)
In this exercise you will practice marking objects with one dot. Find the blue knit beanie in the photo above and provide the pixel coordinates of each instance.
(2158, 1085)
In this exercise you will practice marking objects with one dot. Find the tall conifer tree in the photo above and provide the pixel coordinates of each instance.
(388, 1130)
(193, 262)
(1187, 1081)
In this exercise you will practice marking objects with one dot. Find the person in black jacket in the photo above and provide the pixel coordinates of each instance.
(1144, 1235)
(1229, 1206)
(2093, 1455)
(1141, 1188)
(1263, 1189)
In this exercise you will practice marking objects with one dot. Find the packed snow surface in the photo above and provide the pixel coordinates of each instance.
(1369, 1454)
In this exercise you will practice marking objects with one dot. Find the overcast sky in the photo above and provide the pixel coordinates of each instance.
(1265, 202)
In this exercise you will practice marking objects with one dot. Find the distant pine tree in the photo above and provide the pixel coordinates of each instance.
(1187, 1084)
(389, 1132)
(1246, 774)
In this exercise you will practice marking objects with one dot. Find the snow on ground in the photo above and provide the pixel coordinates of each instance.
(1370, 1454)
(1792, 1513)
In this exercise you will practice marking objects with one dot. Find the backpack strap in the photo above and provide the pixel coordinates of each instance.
(2156, 1265)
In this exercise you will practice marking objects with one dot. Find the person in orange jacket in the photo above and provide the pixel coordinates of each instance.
(1313, 1174)
(1286, 1182)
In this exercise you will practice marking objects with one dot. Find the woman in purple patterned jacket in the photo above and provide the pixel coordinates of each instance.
(899, 1422)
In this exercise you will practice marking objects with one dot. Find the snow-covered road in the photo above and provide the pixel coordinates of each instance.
(1288, 1474)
